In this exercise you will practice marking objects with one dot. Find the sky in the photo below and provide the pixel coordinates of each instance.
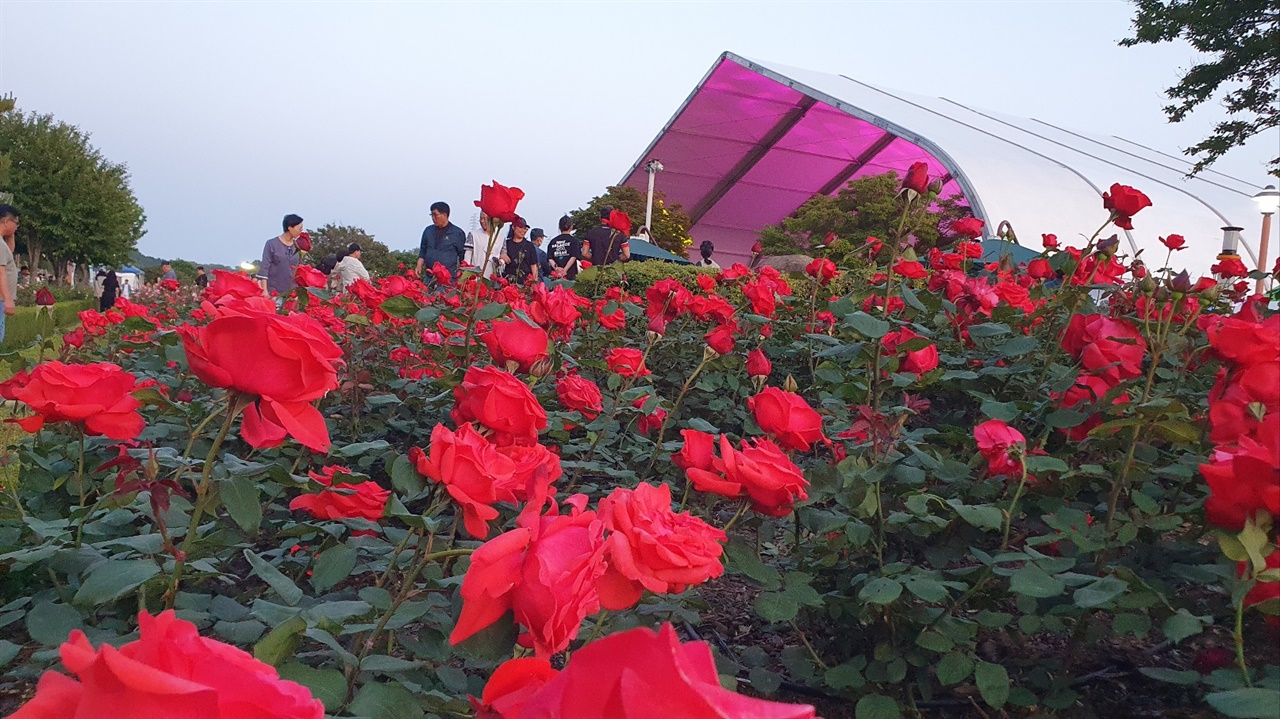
(231, 114)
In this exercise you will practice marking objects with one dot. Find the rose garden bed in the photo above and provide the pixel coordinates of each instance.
(946, 489)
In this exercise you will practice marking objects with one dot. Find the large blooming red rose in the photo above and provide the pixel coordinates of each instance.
(760, 470)
(500, 401)
(626, 361)
(98, 397)
(619, 222)
(545, 571)
(641, 674)
(787, 418)
(1245, 478)
(170, 671)
(918, 361)
(822, 270)
(499, 201)
(358, 500)
(516, 344)
(227, 287)
(472, 470)
(1124, 202)
(1112, 349)
(284, 362)
(578, 394)
(651, 547)
(1002, 446)
(970, 227)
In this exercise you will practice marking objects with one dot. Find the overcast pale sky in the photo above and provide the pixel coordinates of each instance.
(231, 114)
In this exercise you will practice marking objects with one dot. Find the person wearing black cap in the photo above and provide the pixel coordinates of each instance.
(607, 244)
(565, 251)
(537, 236)
(519, 257)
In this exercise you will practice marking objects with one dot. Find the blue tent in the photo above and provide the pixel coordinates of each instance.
(130, 269)
(993, 250)
(641, 250)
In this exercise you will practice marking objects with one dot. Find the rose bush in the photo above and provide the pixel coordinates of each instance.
(941, 480)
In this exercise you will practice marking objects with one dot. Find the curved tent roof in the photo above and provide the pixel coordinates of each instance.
(755, 140)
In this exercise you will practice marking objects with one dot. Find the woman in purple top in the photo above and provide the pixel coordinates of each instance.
(279, 258)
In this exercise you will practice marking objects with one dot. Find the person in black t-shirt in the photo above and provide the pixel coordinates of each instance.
(607, 245)
(519, 257)
(565, 251)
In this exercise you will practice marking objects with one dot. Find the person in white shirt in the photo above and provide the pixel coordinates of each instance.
(477, 249)
(350, 268)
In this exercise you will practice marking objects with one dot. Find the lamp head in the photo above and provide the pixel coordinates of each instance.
(1268, 200)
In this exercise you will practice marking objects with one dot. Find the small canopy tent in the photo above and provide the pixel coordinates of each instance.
(755, 140)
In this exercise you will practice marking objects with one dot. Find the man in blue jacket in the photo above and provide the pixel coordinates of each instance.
(442, 241)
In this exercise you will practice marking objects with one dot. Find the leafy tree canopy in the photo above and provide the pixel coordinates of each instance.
(76, 205)
(1242, 38)
(330, 239)
(670, 229)
(838, 227)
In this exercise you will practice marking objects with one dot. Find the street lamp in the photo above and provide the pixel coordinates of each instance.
(1268, 201)
(248, 266)
(653, 167)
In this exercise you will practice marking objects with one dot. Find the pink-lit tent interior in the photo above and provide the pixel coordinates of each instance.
(754, 141)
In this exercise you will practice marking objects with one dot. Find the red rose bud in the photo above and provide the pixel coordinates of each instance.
(1174, 242)
(304, 242)
(499, 201)
(1040, 269)
(757, 248)
(970, 227)
(1180, 282)
(1204, 283)
(917, 178)
(1050, 241)
(618, 220)
(1124, 202)
(758, 365)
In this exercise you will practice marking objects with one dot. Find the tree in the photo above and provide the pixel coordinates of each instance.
(866, 207)
(6, 105)
(1243, 38)
(76, 205)
(670, 229)
(330, 239)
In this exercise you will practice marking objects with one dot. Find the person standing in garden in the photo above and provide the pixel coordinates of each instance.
(202, 278)
(167, 272)
(537, 236)
(519, 257)
(350, 268)
(110, 286)
(279, 257)
(442, 242)
(479, 255)
(607, 244)
(8, 264)
(706, 249)
(565, 251)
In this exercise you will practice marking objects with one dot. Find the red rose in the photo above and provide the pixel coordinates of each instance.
(917, 178)
(1002, 447)
(758, 365)
(545, 571)
(74, 338)
(511, 686)
(44, 297)
(760, 470)
(1245, 478)
(651, 547)
(626, 362)
(292, 364)
(170, 285)
(667, 298)
(706, 282)
(98, 397)
(1174, 242)
(308, 276)
(787, 417)
(648, 422)
(536, 469)
(1040, 269)
(699, 450)
(499, 202)
(516, 344)
(822, 270)
(1230, 267)
(720, 339)
(619, 222)
(910, 269)
(1124, 202)
(763, 300)
(1267, 589)
(970, 227)
(364, 500)
(640, 674)
(1087, 390)
(169, 671)
(472, 471)
(304, 242)
(559, 308)
(579, 395)
(1050, 241)
(918, 361)
(972, 250)
(756, 248)
(500, 401)
(228, 286)
(1015, 295)
(1112, 349)
(1242, 400)
(1242, 341)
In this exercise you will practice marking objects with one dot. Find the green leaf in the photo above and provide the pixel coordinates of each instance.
(1172, 676)
(8, 651)
(1005, 411)
(332, 566)
(1065, 419)
(866, 325)
(405, 478)
(281, 642)
(385, 701)
(1182, 625)
(1099, 592)
(327, 685)
(1033, 581)
(743, 559)
(399, 306)
(881, 590)
(843, 676)
(1177, 431)
(877, 706)
(246, 632)
(1248, 703)
(987, 517)
(926, 588)
(359, 448)
(954, 668)
(453, 678)
(386, 664)
(494, 642)
(993, 683)
(764, 681)
(284, 586)
(1039, 463)
(490, 311)
(990, 329)
(776, 607)
(240, 495)
(112, 579)
(50, 623)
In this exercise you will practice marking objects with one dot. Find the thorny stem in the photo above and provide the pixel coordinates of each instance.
(1239, 638)
(1013, 506)
(662, 429)
(80, 469)
(805, 640)
(742, 508)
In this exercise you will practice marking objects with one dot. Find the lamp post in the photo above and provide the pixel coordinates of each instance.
(1230, 245)
(653, 167)
(1268, 202)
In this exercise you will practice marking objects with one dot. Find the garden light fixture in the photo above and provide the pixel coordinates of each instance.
(1268, 201)
(653, 167)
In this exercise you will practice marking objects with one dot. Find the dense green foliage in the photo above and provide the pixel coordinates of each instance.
(330, 239)
(30, 323)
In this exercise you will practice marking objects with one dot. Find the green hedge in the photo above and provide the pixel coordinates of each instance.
(22, 328)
